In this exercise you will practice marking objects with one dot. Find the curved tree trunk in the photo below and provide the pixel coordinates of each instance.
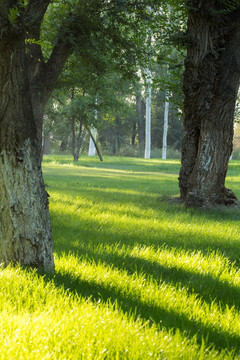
(211, 82)
(25, 230)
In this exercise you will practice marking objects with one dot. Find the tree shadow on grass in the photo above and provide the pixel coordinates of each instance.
(136, 307)
(206, 286)
(92, 230)
(157, 202)
(141, 197)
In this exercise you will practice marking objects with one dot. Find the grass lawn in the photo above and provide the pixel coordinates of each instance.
(137, 277)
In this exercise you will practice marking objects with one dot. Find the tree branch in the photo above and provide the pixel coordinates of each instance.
(44, 76)
(53, 68)
(54, 97)
(34, 16)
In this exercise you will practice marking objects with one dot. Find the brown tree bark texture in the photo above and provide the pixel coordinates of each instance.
(211, 82)
(25, 229)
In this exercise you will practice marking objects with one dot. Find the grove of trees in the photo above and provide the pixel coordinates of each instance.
(70, 58)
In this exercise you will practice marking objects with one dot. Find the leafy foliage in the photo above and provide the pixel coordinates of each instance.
(13, 14)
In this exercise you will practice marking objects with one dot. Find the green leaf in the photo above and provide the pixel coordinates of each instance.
(13, 14)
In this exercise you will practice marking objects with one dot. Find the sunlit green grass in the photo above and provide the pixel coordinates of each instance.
(137, 276)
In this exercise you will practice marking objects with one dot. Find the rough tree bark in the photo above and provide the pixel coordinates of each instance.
(25, 230)
(211, 82)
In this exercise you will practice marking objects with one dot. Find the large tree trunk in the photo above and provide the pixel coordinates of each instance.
(46, 144)
(211, 82)
(25, 230)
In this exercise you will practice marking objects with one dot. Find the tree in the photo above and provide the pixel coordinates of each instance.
(25, 231)
(211, 82)
(77, 136)
(140, 107)
(165, 127)
(147, 153)
(27, 78)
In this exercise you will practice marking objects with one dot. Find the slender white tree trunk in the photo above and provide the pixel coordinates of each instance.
(147, 154)
(148, 117)
(92, 148)
(165, 126)
(166, 112)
